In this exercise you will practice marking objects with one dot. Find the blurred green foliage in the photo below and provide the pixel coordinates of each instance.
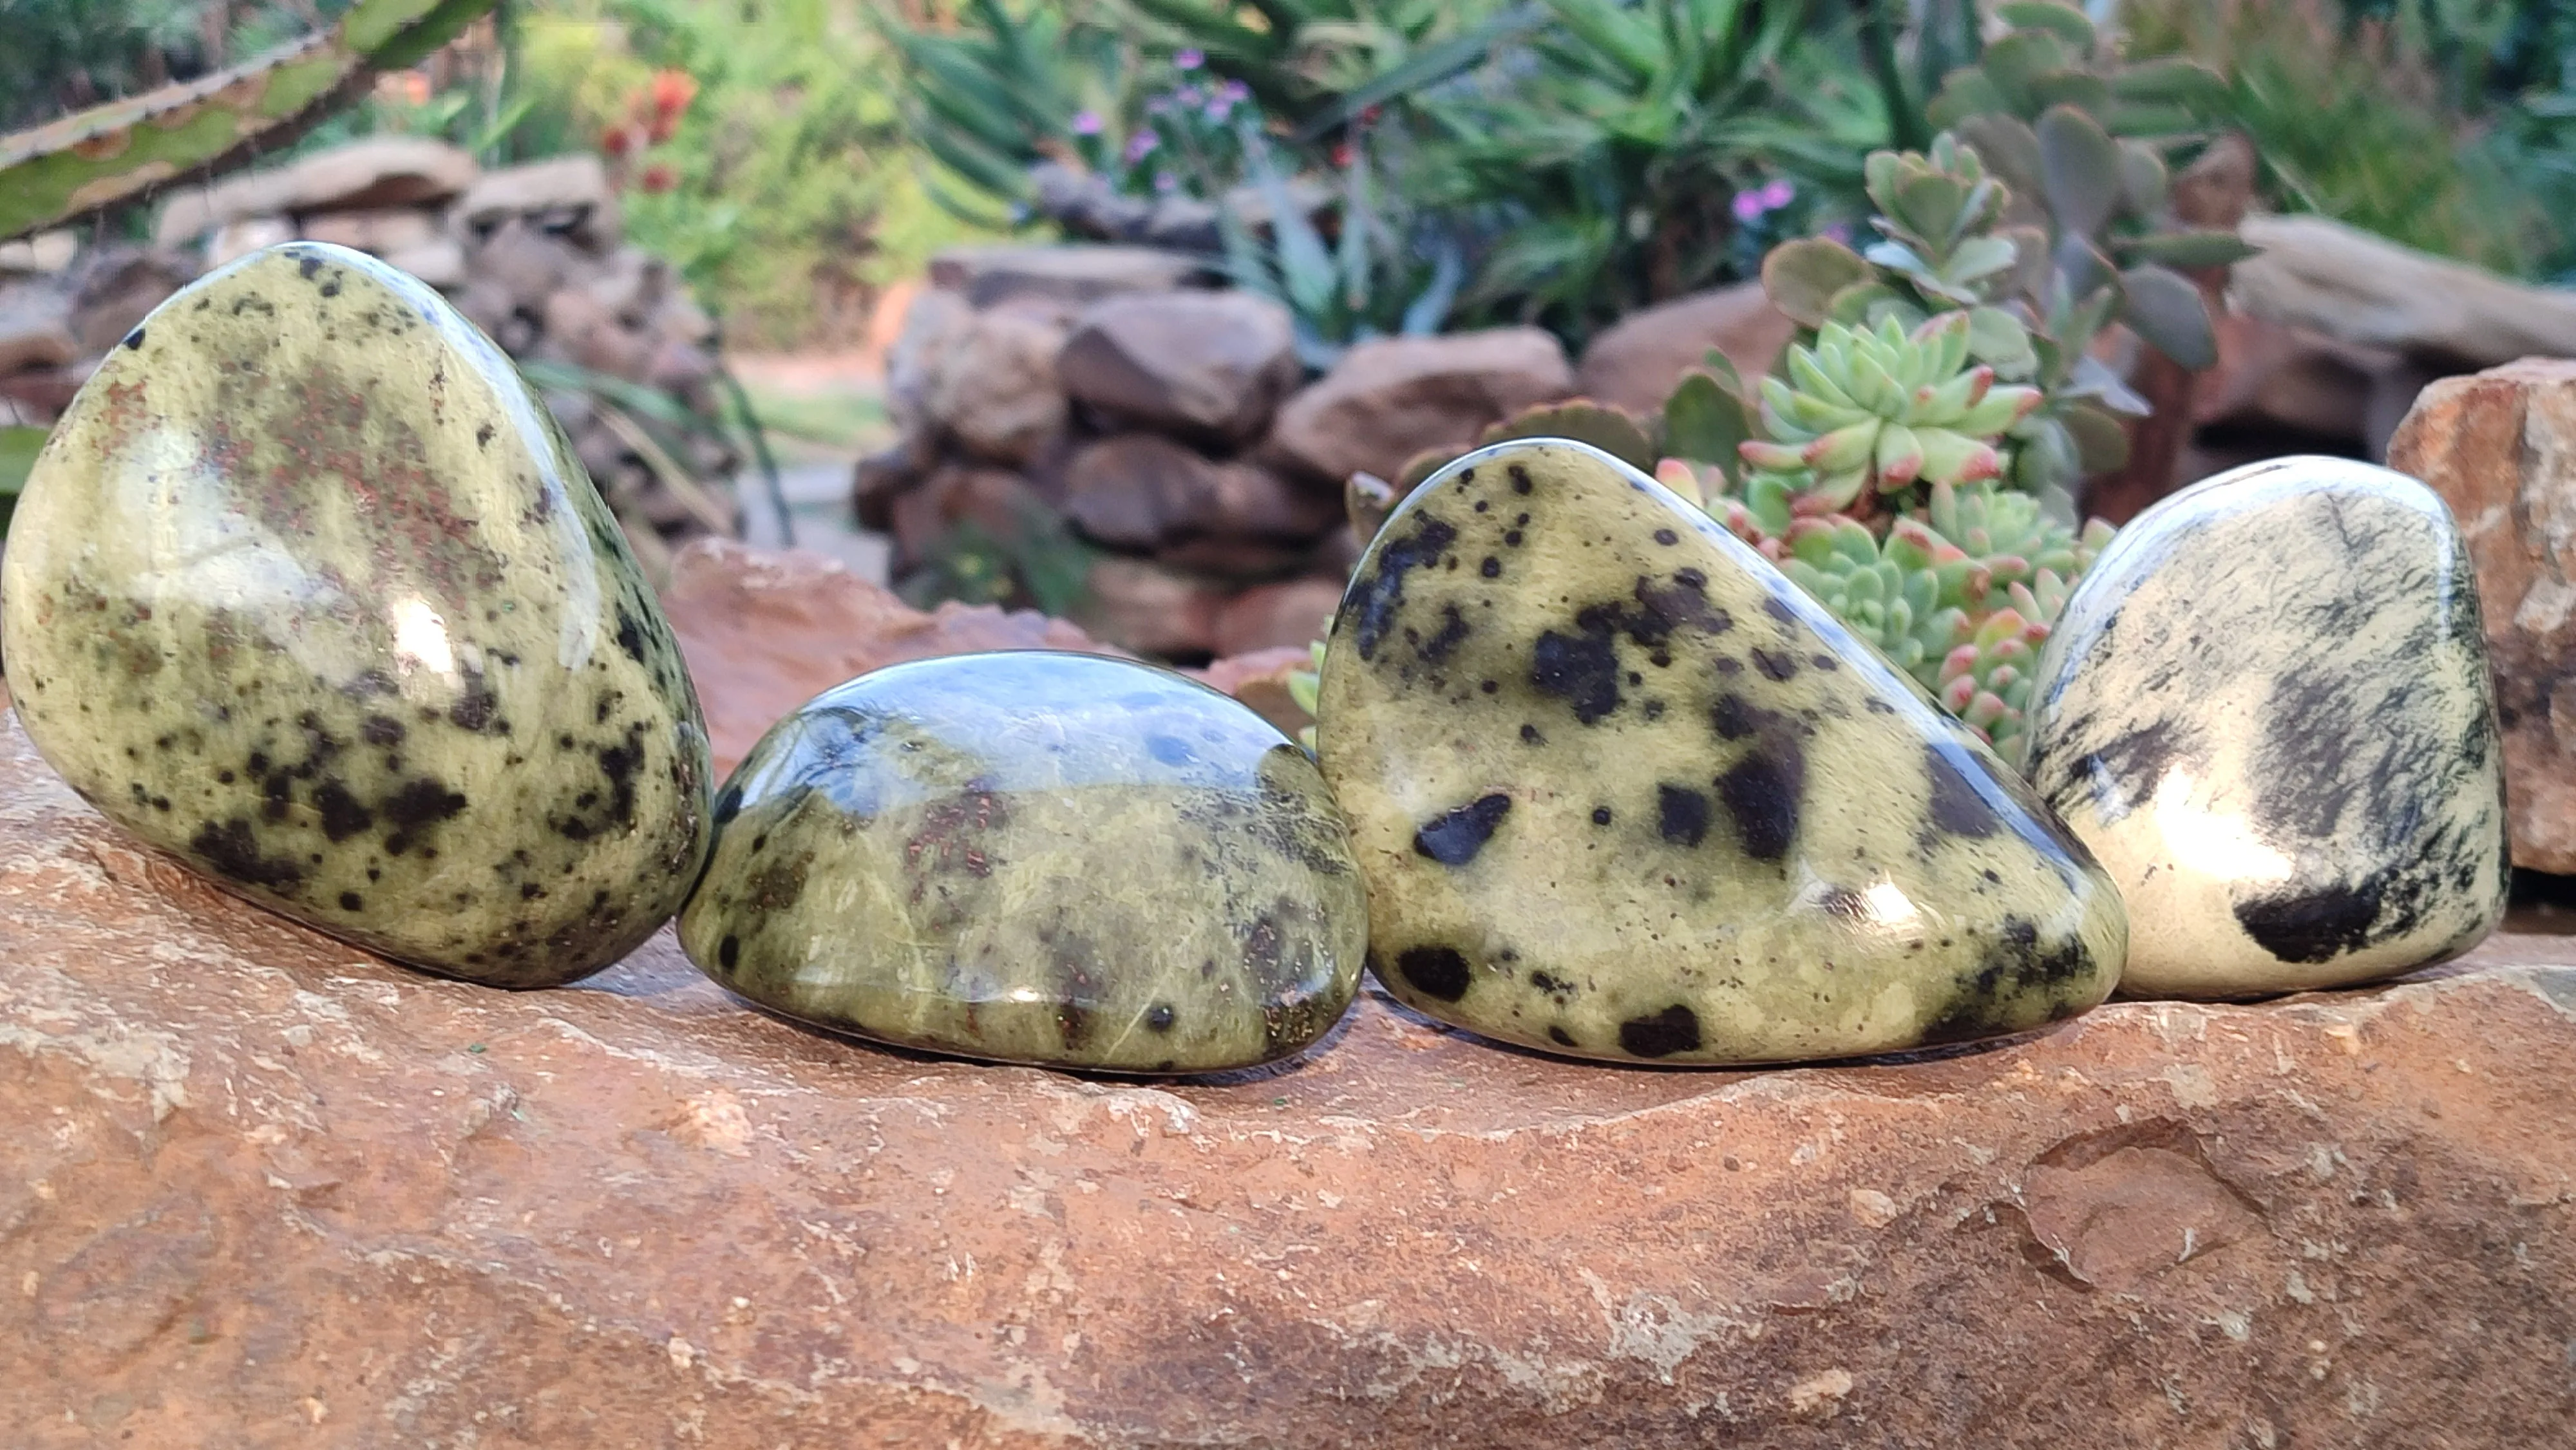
(62, 55)
(2449, 125)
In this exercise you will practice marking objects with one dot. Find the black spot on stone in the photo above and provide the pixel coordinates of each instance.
(483, 436)
(134, 340)
(1511, 538)
(2316, 925)
(1727, 665)
(1824, 662)
(1159, 1017)
(1170, 750)
(1530, 736)
(1453, 632)
(1762, 792)
(1782, 667)
(1667, 537)
(1584, 671)
(1600, 815)
(729, 804)
(474, 709)
(381, 730)
(1545, 983)
(352, 901)
(343, 815)
(2133, 763)
(420, 803)
(1520, 478)
(1681, 815)
(1436, 972)
(1455, 838)
(1995, 998)
(1675, 1029)
(1779, 609)
(1379, 594)
(1491, 568)
(233, 851)
(1958, 807)
(729, 952)
(630, 635)
(1490, 687)
(1560, 1036)
(308, 264)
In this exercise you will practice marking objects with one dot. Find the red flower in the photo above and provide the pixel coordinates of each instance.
(659, 178)
(615, 140)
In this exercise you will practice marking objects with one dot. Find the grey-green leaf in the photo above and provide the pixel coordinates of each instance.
(2190, 249)
(1801, 277)
(1703, 421)
(2166, 309)
(2081, 167)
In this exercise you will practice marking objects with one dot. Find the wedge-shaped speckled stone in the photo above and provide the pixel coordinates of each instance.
(1036, 857)
(306, 589)
(1621, 789)
(2267, 710)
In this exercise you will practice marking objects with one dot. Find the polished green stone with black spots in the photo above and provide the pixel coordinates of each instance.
(306, 589)
(1035, 857)
(1622, 790)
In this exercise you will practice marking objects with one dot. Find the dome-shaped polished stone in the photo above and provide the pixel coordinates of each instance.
(2268, 711)
(1035, 857)
(306, 589)
(1620, 789)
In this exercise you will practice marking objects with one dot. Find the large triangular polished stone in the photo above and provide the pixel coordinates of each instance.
(2267, 709)
(1620, 789)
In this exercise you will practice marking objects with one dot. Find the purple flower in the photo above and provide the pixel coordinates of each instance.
(1086, 123)
(1747, 206)
(1234, 93)
(1166, 182)
(1218, 108)
(1841, 232)
(1778, 194)
(1140, 146)
(1190, 59)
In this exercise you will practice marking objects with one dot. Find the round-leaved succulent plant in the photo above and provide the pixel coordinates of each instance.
(1866, 413)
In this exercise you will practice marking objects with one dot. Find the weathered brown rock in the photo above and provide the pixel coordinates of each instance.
(379, 171)
(2353, 286)
(113, 287)
(1292, 613)
(1260, 679)
(1153, 609)
(995, 388)
(567, 196)
(1636, 363)
(764, 631)
(1389, 399)
(378, 231)
(1140, 490)
(1205, 363)
(2500, 448)
(261, 1190)
(35, 325)
(996, 501)
(1075, 276)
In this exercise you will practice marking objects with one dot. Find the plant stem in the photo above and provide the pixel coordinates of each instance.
(1905, 124)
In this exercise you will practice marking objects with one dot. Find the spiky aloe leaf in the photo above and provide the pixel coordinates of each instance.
(83, 164)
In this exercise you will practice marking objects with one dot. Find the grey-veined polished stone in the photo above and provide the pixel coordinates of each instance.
(1620, 789)
(306, 589)
(1035, 857)
(2267, 710)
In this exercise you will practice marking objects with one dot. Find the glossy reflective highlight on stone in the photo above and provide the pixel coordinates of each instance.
(1035, 857)
(2268, 711)
(1621, 790)
(306, 590)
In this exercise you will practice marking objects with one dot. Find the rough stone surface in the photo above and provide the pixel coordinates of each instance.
(2319, 274)
(262, 1190)
(566, 194)
(1621, 790)
(1142, 490)
(2500, 448)
(1075, 276)
(1391, 398)
(379, 171)
(765, 631)
(1212, 363)
(2266, 709)
(1153, 609)
(1292, 612)
(1636, 362)
(1031, 857)
(305, 589)
(995, 389)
